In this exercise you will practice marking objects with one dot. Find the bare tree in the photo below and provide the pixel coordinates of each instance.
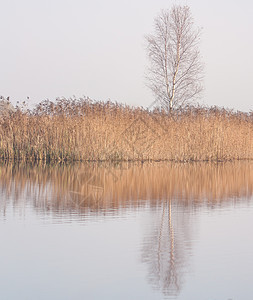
(176, 71)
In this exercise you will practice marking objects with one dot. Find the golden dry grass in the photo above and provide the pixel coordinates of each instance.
(82, 130)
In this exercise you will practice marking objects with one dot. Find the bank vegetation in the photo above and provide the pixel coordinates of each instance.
(84, 130)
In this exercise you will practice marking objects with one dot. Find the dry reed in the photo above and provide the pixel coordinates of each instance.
(83, 130)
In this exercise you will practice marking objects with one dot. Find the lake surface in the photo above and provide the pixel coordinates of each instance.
(128, 231)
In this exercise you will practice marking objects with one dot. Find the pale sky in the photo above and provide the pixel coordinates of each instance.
(96, 48)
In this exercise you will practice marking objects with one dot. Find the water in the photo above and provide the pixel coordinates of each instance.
(131, 231)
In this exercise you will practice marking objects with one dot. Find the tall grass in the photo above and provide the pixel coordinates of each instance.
(83, 130)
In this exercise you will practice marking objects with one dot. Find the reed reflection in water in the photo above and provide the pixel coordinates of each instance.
(170, 191)
(92, 187)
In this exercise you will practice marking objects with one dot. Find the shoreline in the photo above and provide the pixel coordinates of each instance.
(86, 131)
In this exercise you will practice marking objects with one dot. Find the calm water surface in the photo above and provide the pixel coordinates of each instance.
(151, 231)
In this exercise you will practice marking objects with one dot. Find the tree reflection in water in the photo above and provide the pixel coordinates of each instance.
(166, 250)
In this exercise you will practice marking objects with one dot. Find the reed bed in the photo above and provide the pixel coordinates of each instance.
(84, 130)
